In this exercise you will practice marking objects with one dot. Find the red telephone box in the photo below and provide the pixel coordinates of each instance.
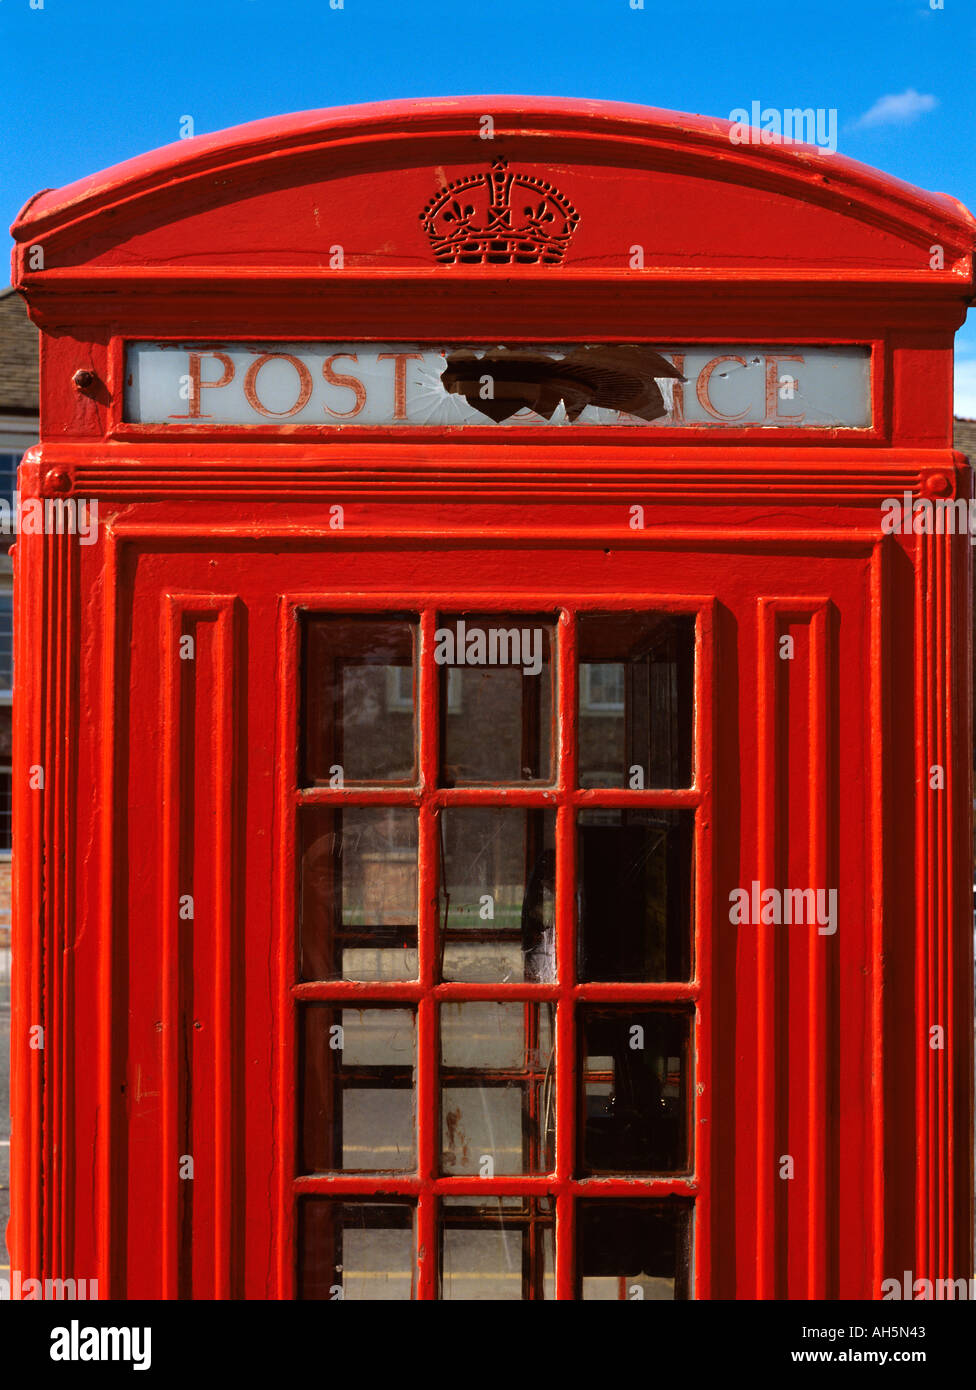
(493, 754)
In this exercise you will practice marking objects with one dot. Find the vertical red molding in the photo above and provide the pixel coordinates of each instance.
(822, 814)
(228, 949)
(567, 1119)
(48, 956)
(961, 946)
(58, 1040)
(428, 1117)
(766, 829)
(941, 864)
(284, 893)
(107, 1124)
(926, 870)
(943, 925)
(171, 683)
(879, 810)
(791, 703)
(200, 858)
(27, 989)
(53, 1000)
(41, 1232)
(709, 918)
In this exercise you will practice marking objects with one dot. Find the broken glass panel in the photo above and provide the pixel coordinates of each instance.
(402, 385)
(635, 1078)
(635, 896)
(633, 1250)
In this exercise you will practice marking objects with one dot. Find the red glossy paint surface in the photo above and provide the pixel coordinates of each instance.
(810, 771)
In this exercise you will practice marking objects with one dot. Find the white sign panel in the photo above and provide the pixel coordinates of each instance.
(398, 385)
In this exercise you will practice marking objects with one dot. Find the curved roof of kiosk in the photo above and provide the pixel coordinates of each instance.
(116, 207)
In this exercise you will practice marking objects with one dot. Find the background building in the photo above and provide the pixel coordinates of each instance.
(18, 431)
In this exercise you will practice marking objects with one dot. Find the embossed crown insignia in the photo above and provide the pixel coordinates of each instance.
(500, 218)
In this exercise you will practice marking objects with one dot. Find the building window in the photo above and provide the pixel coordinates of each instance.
(8, 475)
(6, 645)
(601, 687)
(6, 780)
(5, 819)
(399, 689)
(8, 485)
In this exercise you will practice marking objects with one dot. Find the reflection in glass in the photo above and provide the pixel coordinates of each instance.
(636, 1084)
(359, 712)
(497, 1249)
(497, 1088)
(356, 1250)
(358, 893)
(496, 894)
(635, 895)
(358, 1089)
(636, 699)
(500, 728)
(630, 1250)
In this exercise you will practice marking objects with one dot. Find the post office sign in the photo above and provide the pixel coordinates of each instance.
(403, 385)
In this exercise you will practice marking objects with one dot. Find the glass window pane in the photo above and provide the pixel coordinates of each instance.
(356, 1250)
(633, 1250)
(635, 894)
(359, 893)
(497, 1249)
(636, 699)
(358, 1089)
(497, 1088)
(498, 870)
(636, 1086)
(360, 695)
(498, 670)
(6, 641)
(9, 464)
(6, 799)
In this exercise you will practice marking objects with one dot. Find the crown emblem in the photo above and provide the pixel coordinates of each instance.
(500, 218)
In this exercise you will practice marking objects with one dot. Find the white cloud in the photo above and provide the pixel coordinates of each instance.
(964, 395)
(897, 110)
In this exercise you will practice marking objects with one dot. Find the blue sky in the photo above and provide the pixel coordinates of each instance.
(90, 82)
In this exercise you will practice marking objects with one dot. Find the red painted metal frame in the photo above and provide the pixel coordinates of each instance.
(756, 529)
(428, 992)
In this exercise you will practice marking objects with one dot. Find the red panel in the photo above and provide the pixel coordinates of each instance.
(192, 1079)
